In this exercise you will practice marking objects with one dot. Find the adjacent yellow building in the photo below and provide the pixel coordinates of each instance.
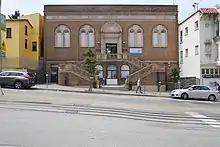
(3, 28)
(24, 38)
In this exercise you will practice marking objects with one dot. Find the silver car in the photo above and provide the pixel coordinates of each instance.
(196, 91)
(17, 79)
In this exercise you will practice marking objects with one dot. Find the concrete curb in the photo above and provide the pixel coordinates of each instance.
(95, 92)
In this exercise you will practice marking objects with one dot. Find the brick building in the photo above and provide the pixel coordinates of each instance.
(130, 41)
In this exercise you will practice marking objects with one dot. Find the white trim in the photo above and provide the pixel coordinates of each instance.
(111, 17)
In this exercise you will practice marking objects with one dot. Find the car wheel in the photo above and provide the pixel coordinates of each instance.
(184, 96)
(18, 85)
(212, 98)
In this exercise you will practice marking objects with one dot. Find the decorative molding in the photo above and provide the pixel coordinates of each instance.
(110, 17)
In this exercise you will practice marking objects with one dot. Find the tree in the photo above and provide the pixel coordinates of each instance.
(90, 61)
(175, 74)
(89, 64)
(16, 15)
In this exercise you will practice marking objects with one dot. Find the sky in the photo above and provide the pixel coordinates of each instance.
(28, 6)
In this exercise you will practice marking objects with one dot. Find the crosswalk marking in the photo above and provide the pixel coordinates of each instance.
(205, 119)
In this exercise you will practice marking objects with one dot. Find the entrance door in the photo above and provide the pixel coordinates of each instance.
(54, 75)
(111, 75)
(111, 50)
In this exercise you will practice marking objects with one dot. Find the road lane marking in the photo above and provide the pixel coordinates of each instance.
(205, 119)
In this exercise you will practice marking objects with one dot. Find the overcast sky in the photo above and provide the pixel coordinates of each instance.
(33, 6)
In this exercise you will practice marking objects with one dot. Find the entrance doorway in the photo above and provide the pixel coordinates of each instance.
(111, 50)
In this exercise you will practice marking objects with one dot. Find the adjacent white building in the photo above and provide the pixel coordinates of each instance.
(199, 47)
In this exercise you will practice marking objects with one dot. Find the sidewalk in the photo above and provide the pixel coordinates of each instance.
(55, 87)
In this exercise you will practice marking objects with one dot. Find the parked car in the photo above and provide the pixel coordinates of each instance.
(196, 91)
(17, 79)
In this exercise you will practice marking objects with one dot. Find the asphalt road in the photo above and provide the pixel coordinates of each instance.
(58, 119)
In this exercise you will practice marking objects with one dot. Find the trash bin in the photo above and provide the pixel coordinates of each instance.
(130, 86)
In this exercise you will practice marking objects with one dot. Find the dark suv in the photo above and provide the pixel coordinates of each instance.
(17, 79)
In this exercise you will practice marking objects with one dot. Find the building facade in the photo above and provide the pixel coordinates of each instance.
(3, 27)
(130, 41)
(23, 40)
(198, 47)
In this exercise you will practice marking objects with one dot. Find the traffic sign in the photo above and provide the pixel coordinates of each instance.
(2, 54)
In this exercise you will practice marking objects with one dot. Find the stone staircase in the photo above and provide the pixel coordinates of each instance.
(75, 69)
(144, 68)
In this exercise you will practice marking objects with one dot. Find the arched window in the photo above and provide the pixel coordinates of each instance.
(135, 35)
(131, 37)
(112, 72)
(62, 36)
(125, 70)
(155, 38)
(159, 36)
(87, 36)
(99, 69)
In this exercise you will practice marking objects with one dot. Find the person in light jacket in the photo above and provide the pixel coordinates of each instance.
(139, 86)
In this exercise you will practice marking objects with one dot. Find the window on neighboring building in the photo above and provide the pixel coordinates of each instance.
(181, 57)
(196, 49)
(196, 25)
(34, 46)
(26, 44)
(181, 36)
(186, 31)
(87, 36)
(211, 71)
(207, 71)
(186, 53)
(125, 70)
(26, 30)
(216, 71)
(203, 71)
(159, 36)
(62, 36)
(135, 36)
(8, 33)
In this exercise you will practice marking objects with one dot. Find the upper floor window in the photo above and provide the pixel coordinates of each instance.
(34, 46)
(87, 36)
(26, 44)
(26, 30)
(159, 36)
(8, 33)
(62, 36)
(186, 53)
(181, 57)
(196, 25)
(196, 49)
(186, 31)
(181, 36)
(135, 36)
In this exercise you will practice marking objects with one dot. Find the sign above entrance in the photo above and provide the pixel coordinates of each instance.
(135, 50)
(210, 76)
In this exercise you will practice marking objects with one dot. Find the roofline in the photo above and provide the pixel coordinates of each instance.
(113, 5)
(189, 17)
(20, 20)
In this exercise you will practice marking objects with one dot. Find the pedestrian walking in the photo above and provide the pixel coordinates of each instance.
(1, 90)
(139, 86)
